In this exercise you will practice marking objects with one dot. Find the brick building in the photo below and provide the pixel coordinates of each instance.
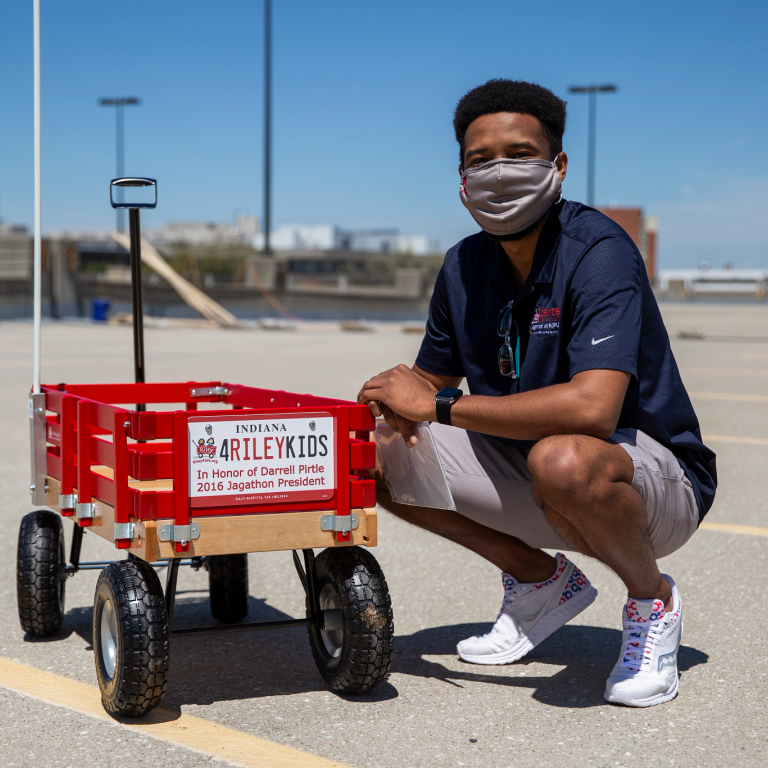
(642, 229)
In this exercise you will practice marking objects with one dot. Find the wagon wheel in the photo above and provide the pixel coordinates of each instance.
(228, 585)
(354, 649)
(130, 638)
(40, 573)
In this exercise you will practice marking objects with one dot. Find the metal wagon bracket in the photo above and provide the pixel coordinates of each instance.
(343, 523)
(182, 533)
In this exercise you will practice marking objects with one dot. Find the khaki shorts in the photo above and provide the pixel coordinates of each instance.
(491, 484)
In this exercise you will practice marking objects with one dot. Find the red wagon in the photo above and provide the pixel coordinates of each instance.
(174, 482)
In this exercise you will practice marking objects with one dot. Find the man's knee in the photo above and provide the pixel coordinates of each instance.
(563, 465)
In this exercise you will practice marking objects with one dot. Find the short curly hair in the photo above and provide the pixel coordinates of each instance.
(501, 95)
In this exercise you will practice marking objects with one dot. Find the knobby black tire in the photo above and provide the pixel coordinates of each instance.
(40, 573)
(228, 585)
(138, 683)
(367, 646)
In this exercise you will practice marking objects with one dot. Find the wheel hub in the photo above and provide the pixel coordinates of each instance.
(333, 638)
(108, 639)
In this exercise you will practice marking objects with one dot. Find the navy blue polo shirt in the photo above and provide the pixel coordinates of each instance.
(586, 304)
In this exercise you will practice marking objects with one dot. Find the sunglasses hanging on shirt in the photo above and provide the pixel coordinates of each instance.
(509, 359)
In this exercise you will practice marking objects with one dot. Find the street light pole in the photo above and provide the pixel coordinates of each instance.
(120, 102)
(38, 242)
(592, 90)
(267, 124)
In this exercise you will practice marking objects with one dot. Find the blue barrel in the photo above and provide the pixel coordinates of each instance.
(100, 309)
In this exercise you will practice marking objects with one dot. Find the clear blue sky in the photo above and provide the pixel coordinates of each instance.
(363, 99)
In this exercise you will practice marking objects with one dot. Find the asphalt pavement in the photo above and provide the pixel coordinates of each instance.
(545, 710)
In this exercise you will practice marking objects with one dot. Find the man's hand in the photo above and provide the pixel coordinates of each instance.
(402, 397)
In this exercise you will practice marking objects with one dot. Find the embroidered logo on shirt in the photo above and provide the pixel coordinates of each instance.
(546, 321)
(601, 340)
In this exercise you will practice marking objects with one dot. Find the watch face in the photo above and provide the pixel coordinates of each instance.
(449, 393)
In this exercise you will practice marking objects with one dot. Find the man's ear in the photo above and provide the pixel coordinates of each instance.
(562, 165)
(461, 169)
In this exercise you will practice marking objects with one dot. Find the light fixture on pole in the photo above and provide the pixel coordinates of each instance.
(592, 90)
(120, 102)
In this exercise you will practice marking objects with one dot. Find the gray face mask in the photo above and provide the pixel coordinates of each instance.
(507, 196)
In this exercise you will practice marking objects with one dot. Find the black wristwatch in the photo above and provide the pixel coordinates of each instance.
(444, 399)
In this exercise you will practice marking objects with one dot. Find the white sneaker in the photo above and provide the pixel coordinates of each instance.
(646, 672)
(529, 614)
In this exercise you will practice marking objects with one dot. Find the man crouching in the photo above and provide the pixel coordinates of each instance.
(577, 433)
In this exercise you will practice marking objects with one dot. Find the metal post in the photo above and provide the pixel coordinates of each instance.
(119, 103)
(37, 424)
(313, 598)
(52, 285)
(267, 123)
(591, 154)
(170, 590)
(120, 149)
(77, 541)
(38, 200)
(592, 91)
(138, 312)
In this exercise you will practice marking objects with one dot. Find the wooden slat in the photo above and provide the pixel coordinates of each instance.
(101, 524)
(231, 534)
(142, 485)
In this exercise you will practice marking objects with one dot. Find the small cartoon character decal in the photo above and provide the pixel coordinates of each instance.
(205, 449)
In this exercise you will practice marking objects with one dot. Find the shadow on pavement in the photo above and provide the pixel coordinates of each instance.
(231, 666)
(249, 665)
(587, 653)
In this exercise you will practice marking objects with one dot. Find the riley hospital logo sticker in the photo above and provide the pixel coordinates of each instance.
(545, 322)
(261, 459)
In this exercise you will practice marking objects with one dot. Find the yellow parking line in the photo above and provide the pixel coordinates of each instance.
(187, 731)
(729, 372)
(730, 396)
(24, 363)
(736, 439)
(751, 530)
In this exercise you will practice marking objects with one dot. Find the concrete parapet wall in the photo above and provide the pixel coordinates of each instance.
(15, 254)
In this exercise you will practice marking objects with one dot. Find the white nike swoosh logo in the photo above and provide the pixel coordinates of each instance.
(599, 340)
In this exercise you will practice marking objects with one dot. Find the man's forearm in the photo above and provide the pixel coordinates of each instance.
(589, 404)
(558, 409)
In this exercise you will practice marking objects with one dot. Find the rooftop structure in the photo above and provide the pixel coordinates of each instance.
(206, 233)
(327, 237)
(726, 283)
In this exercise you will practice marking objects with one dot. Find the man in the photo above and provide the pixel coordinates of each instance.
(578, 433)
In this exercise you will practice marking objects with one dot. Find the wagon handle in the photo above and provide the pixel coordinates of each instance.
(133, 206)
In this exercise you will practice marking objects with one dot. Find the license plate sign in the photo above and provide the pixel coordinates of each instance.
(261, 459)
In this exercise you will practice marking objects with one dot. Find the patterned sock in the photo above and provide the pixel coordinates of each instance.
(645, 610)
